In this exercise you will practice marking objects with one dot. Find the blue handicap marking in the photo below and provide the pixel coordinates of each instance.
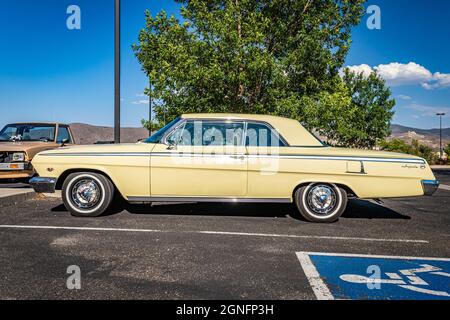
(352, 276)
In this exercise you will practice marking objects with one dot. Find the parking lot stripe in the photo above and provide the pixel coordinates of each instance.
(212, 233)
(444, 186)
(320, 290)
(310, 236)
(357, 255)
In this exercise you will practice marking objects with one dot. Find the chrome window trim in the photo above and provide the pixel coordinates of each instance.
(170, 130)
(185, 120)
(174, 128)
(268, 125)
(244, 121)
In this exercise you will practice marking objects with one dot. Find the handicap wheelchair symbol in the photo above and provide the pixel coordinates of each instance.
(406, 278)
(359, 276)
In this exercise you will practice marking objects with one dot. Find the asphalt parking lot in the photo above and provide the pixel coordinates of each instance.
(217, 251)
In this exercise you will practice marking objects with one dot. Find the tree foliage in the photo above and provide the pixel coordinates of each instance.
(415, 148)
(151, 126)
(369, 115)
(447, 150)
(278, 57)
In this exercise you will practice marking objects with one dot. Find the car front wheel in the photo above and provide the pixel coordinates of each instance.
(87, 194)
(321, 202)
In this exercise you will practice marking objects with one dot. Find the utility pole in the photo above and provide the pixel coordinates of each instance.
(440, 133)
(116, 71)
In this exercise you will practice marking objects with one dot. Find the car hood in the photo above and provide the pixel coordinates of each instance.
(30, 148)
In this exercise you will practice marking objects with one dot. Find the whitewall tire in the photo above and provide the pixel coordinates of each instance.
(321, 202)
(87, 194)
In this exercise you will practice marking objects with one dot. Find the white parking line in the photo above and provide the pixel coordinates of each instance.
(320, 289)
(213, 233)
(444, 186)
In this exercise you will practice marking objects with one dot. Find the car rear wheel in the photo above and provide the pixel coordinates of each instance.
(321, 202)
(87, 194)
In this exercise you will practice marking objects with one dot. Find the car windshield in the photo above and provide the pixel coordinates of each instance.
(157, 136)
(28, 132)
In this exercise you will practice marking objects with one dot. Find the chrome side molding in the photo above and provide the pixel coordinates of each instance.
(208, 199)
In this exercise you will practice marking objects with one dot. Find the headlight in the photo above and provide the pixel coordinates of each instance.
(18, 156)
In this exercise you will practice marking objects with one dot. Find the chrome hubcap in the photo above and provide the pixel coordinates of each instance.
(86, 193)
(321, 199)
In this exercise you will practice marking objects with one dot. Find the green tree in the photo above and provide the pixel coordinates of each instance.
(396, 145)
(151, 126)
(278, 57)
(370, 112)
(415, 148)
(447, 151)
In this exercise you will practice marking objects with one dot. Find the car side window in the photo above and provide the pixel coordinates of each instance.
(63, 133)
(209, 133)
(261, 135)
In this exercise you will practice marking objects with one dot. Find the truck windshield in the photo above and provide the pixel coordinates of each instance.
(28, 132)
(157, 136)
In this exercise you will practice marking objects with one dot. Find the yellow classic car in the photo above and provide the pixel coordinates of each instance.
(229, 158)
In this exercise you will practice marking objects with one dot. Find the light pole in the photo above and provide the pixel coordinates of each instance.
(440, 133)
(116, 71)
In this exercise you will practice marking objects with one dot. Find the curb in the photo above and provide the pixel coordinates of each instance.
(12, 200)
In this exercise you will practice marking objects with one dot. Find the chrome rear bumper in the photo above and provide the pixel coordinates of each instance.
(429, 187)
(43, 185)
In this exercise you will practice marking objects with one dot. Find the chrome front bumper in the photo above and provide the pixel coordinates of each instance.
(43, 185)
(429, 187)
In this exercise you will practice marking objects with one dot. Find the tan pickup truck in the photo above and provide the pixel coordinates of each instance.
(19, 142)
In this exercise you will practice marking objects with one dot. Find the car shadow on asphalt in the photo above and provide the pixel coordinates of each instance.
(356, 209)
(365, 209)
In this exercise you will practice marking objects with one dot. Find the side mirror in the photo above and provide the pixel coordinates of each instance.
(171, 145)
(63, 142)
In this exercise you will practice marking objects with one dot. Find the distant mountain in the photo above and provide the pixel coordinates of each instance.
(89, 134)
(428, 137)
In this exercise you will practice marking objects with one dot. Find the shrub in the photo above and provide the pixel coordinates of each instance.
(415, 148)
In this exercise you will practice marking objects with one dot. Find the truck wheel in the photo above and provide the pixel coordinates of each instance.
(321, 202)
(87, 194)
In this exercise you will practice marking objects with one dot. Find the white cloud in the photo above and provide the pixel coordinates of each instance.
(404, 97)
(429, 111)
(365, 69)
(140, 102)
(141, 95)
(398, 74)
(439, 80)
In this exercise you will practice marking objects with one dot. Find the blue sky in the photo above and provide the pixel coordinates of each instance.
(50, 73)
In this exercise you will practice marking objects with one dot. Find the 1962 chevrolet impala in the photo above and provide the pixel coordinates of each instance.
(229, 158)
